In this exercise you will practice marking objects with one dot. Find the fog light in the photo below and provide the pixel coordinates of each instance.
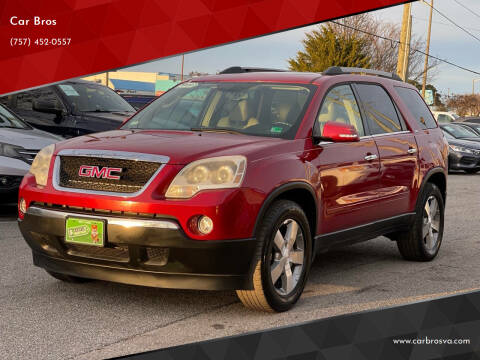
(205, 225)
(22, 205)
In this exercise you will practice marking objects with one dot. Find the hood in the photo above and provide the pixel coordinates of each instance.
(181, 147)
(476, 139)
(32, 139)
(465, 143)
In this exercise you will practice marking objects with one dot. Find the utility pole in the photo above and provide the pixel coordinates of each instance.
(425, 68)
(183, 59)
(404, 47)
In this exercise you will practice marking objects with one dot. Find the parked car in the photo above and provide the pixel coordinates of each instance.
(75, 107)
(236, 180)
(19, 143)
(471, 126)
(460, 132)
(470, 119)
(138, 101)
(445, 116)
(463, 154)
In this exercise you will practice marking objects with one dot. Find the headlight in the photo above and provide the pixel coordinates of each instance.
(215, 173)
(461, 149)
(9, 150)
(41, 164)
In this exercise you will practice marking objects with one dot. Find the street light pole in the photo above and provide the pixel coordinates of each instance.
(473, 85)
(425, 68)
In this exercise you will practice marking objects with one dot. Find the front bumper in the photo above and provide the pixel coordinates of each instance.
(460, 161)
(140, 251)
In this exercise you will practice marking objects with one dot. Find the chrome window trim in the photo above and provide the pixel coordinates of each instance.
(126, 222)
(106, 154)
(387, 134)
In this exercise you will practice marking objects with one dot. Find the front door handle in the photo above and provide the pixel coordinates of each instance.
(412, 150)
(371, 157)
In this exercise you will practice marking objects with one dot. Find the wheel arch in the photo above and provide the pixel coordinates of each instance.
(299, 192)
(438, 177)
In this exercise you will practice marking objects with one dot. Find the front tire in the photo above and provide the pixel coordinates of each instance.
(472, 171)
(422, 242)
(282, 261)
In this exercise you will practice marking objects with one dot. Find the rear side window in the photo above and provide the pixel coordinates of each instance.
(417, 107)
(380, 111)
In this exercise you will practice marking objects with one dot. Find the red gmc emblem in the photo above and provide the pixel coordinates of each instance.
(96, 172)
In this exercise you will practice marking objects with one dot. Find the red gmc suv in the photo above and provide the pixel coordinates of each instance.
(236, 180)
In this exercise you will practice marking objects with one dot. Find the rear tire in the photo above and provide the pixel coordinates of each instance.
(283, 259)
(422, 242)
(68, 278)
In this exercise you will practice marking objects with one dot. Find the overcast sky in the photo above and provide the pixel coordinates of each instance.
(447, 42)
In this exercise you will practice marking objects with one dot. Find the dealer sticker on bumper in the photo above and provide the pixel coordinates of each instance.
(85, 231)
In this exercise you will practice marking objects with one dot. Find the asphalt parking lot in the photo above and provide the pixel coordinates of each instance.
(43, 318)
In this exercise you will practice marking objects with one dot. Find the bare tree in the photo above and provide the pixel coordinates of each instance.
(384, 53)
(465, 105)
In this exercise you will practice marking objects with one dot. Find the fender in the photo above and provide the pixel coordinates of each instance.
(427, 177)
(280, 190)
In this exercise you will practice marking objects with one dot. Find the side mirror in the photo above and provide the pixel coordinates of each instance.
(338, 132)
(47, 106)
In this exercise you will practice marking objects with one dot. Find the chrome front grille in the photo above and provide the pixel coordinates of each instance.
(86, 171)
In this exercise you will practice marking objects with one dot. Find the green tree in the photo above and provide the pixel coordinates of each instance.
(324, 47)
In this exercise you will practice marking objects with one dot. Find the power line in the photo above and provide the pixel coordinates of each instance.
(466, 8)
(444, 24)
(453, 22)
(399, 42)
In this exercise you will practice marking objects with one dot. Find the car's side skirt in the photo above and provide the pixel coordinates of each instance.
(364, 232)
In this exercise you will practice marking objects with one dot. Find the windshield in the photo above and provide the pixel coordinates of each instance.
(262, 109)
(455, 116)
(8, 120)
(459, 131)
(85, 97)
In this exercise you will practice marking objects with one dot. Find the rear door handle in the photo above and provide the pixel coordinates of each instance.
(371, 157)
(412, 150)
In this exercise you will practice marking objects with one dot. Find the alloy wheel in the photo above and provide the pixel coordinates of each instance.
(431, 223)
(288, 255)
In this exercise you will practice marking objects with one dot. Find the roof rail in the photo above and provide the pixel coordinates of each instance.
(337, 70)
(239, 70)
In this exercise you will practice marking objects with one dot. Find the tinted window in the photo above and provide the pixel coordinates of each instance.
(447, 135)
(340, 105)
(417, 107)
(442, 118)
(381, 114)
(24, 103)
(459, 131)
(85, 97)
(262, 109)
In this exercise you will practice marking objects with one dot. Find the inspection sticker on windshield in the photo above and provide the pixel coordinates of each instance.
(69, 90)
(276, 129)
(84, 231)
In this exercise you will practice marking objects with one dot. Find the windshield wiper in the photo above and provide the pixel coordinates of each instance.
(11, 127)
(223, 130)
